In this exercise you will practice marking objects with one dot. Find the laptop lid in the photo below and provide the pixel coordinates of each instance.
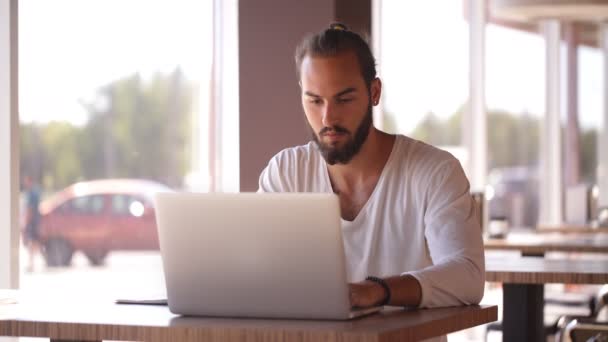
(253, 255)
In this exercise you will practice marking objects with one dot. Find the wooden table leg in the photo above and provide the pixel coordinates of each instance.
(523, 306)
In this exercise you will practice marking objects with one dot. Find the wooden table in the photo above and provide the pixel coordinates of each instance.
(571, 229)
(539, 244)
(91, 320)
(523, 281)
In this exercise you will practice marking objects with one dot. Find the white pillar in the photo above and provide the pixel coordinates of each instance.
(226, 107)
(602, 141)
(9, 144)
(474, 127)
(215, 153)
(376, 5)
(550, 176)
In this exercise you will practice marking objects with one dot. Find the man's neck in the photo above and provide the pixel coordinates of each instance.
(367, 164)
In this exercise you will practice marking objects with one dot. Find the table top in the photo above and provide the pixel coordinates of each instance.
(571, 229)
(535, 243)
(534, 270)
(78, 319)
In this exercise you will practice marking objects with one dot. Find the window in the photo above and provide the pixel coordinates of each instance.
(85, 205)
(120, 204)
(424, 67)
(112, 91)
(515, 89)
(124, 205)
(590, 97)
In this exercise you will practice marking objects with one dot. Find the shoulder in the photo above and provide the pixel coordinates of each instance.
(289, 168)
(294, 156)
(427, 171)
(424, 159)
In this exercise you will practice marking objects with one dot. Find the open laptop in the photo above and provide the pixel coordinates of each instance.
(254, 255)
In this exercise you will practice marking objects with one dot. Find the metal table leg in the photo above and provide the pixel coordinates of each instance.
(523, 306)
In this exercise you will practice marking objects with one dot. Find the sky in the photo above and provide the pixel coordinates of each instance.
(71, 48)
(424, 65)
(68, 49)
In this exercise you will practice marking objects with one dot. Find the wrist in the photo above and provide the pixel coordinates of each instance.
(381, 290)
(376, 292)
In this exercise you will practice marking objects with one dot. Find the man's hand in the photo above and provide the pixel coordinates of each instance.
(405, 291)
(366, 294)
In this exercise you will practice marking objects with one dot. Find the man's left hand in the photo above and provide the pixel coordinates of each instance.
(366, 294)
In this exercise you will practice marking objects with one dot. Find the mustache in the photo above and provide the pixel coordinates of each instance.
(337, 129)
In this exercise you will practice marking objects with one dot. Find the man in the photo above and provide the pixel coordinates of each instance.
(31, 231)
(411, 234)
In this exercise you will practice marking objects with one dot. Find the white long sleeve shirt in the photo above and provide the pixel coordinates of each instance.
(419, 220)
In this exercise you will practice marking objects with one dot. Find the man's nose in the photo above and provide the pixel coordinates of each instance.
(329, 116)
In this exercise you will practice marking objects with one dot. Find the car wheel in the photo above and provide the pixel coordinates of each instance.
(58, 252)
(96, 257)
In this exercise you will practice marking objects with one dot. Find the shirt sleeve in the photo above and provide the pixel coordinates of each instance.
(454, 240)
(274, 177)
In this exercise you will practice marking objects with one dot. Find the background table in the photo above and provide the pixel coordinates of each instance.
(523, 281)
(539, 244)
(571, 229)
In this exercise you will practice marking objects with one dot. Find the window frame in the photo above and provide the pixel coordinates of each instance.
(9, 147)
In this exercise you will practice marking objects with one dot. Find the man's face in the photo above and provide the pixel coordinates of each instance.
(337, 104)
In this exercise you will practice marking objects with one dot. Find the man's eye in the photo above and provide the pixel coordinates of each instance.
(315, 101)
(344, 100)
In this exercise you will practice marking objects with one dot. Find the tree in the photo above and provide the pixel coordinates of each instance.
(61, 163)
(143, 131)
(513, 140)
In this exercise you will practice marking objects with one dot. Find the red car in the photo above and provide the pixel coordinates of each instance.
(97, 217)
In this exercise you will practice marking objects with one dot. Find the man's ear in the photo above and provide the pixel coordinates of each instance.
(375, 90)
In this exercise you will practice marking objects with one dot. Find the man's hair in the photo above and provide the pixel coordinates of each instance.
(333, 41)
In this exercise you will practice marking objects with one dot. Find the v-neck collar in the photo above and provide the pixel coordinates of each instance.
(380, 181)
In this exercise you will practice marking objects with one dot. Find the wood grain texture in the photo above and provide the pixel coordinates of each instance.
(70, 320)
(533, 243)
(533, 270)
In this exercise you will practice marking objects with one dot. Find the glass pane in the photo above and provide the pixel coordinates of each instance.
(590, 99)
(120, 204)
(424, 67)
(589, 108)
(515, 102)
(111, 93)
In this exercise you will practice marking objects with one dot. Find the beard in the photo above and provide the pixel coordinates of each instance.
(343, 155)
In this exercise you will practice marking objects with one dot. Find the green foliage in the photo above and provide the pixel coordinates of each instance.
(143, 132)
(63, 164)
(513, 140)
(434, 131)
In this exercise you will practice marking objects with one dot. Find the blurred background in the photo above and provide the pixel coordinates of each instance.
(120, 99)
